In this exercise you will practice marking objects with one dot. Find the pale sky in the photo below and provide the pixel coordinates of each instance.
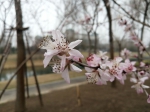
(44, 13)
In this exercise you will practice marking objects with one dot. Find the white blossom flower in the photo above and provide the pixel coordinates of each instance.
(58, 45)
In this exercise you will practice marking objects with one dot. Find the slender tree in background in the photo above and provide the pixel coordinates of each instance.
(20, 98)
(111, 47)
(143, 26)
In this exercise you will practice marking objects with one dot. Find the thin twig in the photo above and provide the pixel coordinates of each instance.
(84, 65)
(130, 15)
(34, 73)
(17, 71)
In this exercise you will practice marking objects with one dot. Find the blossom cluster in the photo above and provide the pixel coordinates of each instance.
(133, 36)
(108, 70)
(99, 68)
(142, 72)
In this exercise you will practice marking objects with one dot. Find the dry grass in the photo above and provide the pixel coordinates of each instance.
(42, 79)
(38, 60)
(12, 64)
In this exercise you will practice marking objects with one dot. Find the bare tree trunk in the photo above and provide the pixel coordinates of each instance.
(119, 46)
(20, 98)
(90, 46)
(6, 52)
(27, 82)
(111, 47)
(3, 32)
(143, 26)
(34, 73)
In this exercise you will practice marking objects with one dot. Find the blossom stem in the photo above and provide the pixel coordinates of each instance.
(145, 92)
(84, 65)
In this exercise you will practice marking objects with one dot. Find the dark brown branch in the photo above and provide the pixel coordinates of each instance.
(106, 2)
(111, 47)
(34, 73)
(143, 26)
(18, 68)
(84, 65)
(19, 29)
(6, 52)
(144, 18)
(27, 83)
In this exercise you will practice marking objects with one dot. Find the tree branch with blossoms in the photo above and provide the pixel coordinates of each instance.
(99, 69)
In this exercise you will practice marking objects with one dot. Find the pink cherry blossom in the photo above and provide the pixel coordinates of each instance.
(142, 64)
(93, 60)
(123, 78)
(98, 76)
(139, 84)
(133, 36)
(129, 66)
(143, 73)
(102, 54)
(114, 68)
(103, 59)
(142, 49)
(128, 27)
(104, 74)
(125, 53)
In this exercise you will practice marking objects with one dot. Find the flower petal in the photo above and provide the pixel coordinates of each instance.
(74, 68)
(74, 52)
(51, 52)
(118, 59)
(112, 78)
(74, 44)
(104, 75)
(46, 60)
(133, 86)
(89, 69)
(133, 80)
(143, 79)
(127, 61)
(63, 61)
(148, 100)
(145, 86)
(99, 82)
(48, 56)
(139, 90)
(65, 75)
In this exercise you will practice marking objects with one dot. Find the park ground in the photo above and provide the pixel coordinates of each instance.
(93, 99)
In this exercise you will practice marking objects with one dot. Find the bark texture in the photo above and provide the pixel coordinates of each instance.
(20, 96)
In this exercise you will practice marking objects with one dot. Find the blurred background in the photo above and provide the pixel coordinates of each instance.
(24, 23)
